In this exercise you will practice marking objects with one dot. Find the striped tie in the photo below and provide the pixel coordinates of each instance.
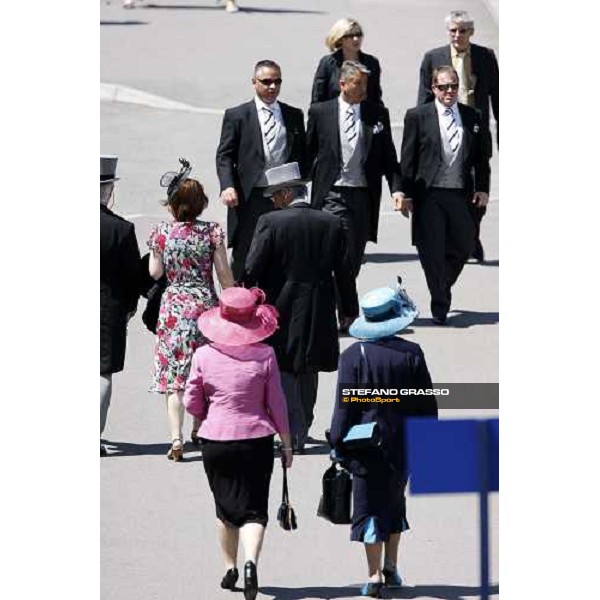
(452, 129)
(349, 125)
(270, 127)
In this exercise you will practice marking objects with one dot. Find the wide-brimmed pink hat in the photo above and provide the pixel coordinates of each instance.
(241, 318)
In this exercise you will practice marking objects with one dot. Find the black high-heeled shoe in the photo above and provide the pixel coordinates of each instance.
(250, 581)
(195, 439)
(229, 579)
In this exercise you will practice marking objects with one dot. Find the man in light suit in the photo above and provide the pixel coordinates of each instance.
(478, 76)
(296, 256)
(443, 146)
(255, 136)
(350, 148)
(119, 286)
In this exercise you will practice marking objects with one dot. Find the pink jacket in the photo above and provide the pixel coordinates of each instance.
(236, 392)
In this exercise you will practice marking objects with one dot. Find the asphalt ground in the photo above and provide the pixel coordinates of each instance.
(157, 518)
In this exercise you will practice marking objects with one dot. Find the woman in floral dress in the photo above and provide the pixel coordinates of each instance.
(185, 250)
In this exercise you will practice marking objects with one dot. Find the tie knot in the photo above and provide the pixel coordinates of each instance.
(267, 110)
(448, 112)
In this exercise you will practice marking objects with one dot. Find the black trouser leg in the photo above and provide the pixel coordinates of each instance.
(248, 214)
(431, 245)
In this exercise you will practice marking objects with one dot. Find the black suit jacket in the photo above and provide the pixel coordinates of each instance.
(241, 156)
(295, 255)
(325, 153)
(326, 83)
(421, 154)
(119, 286)
(485, 69)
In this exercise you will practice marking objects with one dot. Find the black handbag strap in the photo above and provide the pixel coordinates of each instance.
(284, 493)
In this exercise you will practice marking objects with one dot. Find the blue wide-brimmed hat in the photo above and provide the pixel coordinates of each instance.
(384, 312)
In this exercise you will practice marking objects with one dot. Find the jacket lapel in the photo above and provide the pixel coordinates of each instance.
(289, 133)
(334, 119)
(467, 124)
(432, 122)
(366, 122)
(252, 117)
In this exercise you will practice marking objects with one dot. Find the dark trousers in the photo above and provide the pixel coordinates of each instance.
(300, 391)
(248, 213)
(351, 206)
(445, 236)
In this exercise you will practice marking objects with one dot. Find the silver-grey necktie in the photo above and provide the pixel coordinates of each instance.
(452, 129)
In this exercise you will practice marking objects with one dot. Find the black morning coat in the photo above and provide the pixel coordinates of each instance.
(241, 155)
(119, 287)
(325, 153)
(295, 255)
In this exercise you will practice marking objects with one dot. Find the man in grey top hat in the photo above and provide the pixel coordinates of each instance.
(119, 285)
(296, 255)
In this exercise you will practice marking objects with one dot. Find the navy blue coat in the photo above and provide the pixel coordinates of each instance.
(392, 363)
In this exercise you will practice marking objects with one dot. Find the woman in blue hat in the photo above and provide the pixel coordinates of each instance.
(380, 361)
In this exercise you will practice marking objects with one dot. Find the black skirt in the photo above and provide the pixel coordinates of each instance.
(239, 474)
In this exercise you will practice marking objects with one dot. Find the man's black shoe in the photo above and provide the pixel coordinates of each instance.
(439, 320)
(103, 451)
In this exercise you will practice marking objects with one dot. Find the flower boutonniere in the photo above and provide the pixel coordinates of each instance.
(475, 128)
(377, 128)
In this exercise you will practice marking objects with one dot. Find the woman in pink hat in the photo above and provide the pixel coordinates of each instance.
(234, 391)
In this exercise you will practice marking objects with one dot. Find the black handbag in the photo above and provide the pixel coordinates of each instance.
(337, 496)
(151, 290)
(286, 516)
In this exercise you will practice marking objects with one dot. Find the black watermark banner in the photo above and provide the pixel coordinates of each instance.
(447, 395)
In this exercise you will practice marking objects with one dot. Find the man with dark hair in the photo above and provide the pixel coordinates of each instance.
(255, 136)
(296, 256)
(443, 146)
(350, 148)
(478, 77)
(119, 286)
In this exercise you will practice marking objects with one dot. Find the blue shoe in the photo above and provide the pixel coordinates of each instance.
(373, 590)
(392, 578)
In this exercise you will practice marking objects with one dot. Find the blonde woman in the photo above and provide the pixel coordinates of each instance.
(345, 40)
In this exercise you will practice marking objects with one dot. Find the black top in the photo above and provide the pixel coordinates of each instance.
(326, 84)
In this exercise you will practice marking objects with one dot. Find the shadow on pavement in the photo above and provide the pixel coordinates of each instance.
(460, 319)
(123, 23)
(467, 318)
(440, 592)
(485, 263)
(382, 257)
(117, 449)
(242, 9)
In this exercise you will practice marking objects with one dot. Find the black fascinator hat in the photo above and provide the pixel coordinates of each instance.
(173, 180)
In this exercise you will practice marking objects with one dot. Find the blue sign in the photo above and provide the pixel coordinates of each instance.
(445, 456)
(456, 456)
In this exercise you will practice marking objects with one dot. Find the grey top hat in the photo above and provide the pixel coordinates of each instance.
(108, 168)
(283, 177)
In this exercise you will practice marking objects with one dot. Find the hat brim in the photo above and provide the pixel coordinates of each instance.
(271, 189)
(110, 180)
(222, 331)
(374, 330)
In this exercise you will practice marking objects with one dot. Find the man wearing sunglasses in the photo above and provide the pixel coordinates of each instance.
(477, 69)
(444, 169)
(255, 137)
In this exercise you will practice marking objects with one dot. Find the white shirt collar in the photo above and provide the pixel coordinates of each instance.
(274, 106)
(344, 106)
(441, 108)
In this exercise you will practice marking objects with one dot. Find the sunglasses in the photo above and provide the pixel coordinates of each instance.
(462, 30)
(268, 82)
(358, 34)
(446, 87)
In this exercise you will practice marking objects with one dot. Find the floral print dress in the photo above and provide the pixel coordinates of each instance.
(187, 250)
